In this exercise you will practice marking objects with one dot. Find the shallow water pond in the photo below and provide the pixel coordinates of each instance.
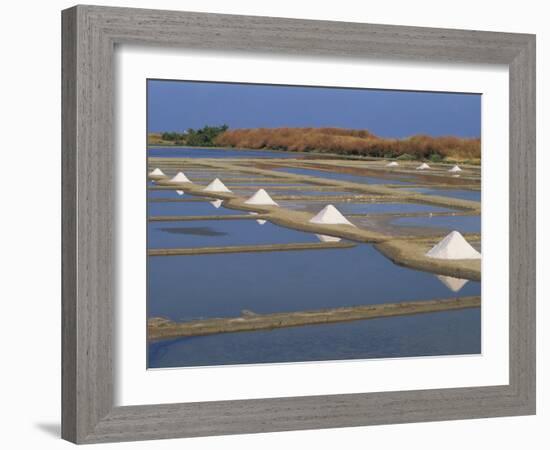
(222, 285)
(296, 193)
(363, 207)
(216, 233)
(192, 208)
(341, 176)
(442, 333)
(464, 224)
(463, 194)
(168, 193)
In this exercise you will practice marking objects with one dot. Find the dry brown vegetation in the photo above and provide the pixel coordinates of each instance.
(352, 142)
(156, 139)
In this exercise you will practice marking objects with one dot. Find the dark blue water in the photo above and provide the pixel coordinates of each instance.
(442, 333)
(363, 208)
(202, 208)
(341, 176)
(454, 193)
(464, 224)
(168, 193)
(222, 285)
(197, 152)
(214, 233)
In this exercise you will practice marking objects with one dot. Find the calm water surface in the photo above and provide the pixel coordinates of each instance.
(454, 193)
(215, 233)
(341, 176)
(222, 285)
(464, 224)
(364, 208)
(202, 208)
(442, 333)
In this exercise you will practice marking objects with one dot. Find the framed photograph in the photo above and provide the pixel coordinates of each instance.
(277, 224)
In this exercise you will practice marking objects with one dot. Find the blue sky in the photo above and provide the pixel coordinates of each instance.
(179, 105)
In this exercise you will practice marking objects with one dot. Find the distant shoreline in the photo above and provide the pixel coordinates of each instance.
(340, 142)
(220, 148)
(327, 154)
(335, 155)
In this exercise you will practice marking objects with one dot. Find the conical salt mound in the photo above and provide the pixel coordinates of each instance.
(392, 164)
(455, 169)
(216, 186)
(180, 192)
(423, 166)
(453, 284)
(180, 178)
(216, 203)
(261, 197)
(453, 246)
(325, 238)
(329, 215)
(156, 173)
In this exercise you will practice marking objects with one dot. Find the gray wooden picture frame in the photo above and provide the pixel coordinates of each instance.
(90, 34)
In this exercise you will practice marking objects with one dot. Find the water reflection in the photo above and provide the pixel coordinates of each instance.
(269, 282)
(220, 233)
(325, 238)
(453, 284)
(258, 221)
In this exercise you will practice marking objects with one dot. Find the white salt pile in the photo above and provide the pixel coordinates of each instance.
(261, 197)
(180, 178)
(455, 168)
(331, 216)
(325, 238)
(216, 186)
(454, 284)
(423, 166)
(453, 246)
(392, 164)
(216, 203)
(156, 173)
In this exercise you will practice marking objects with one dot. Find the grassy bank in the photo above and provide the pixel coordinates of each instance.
(160, 328)
(329, 141)
(353, 142)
